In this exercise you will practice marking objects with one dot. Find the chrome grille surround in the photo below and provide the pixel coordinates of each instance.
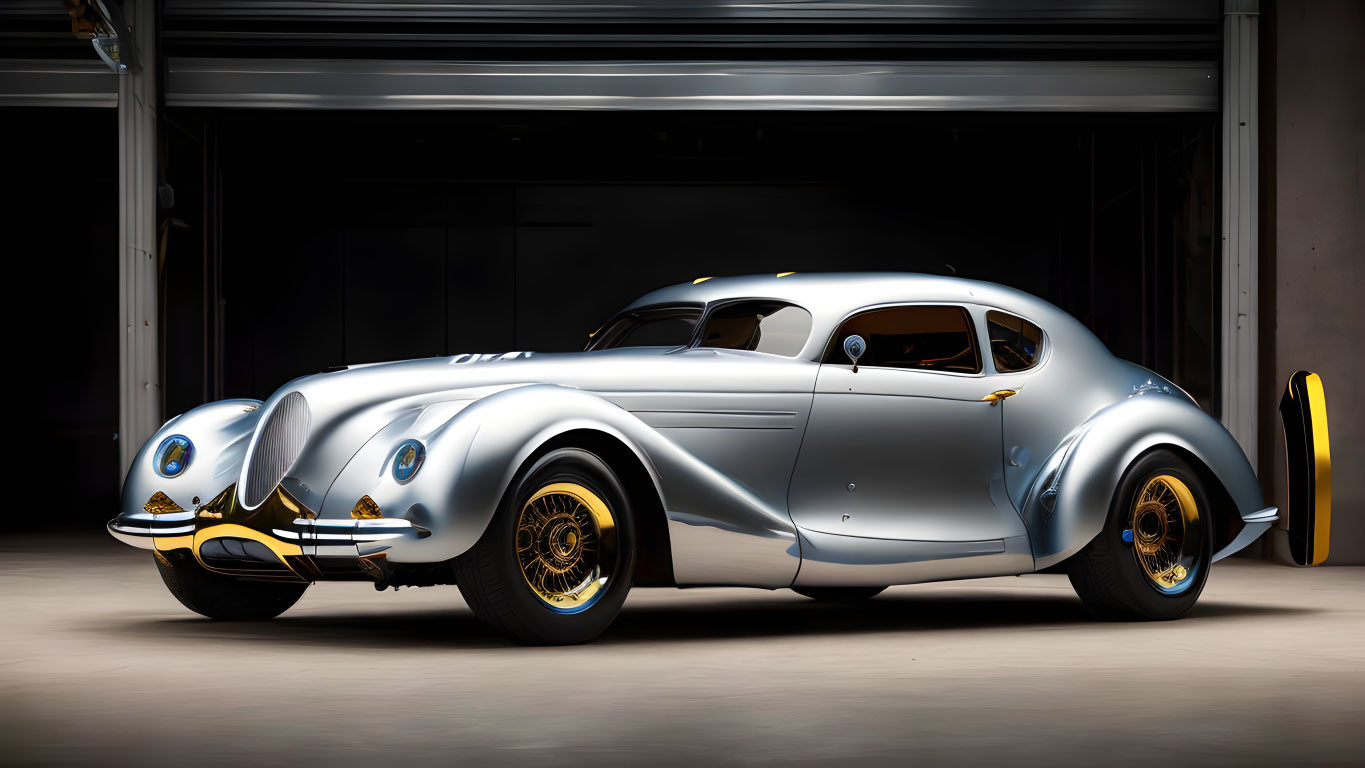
(274, 449)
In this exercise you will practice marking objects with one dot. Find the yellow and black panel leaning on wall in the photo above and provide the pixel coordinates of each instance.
(1308, 459)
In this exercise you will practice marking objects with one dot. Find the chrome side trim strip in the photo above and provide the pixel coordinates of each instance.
(1267, 515)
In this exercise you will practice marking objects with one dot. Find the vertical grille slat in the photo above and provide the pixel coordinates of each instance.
(278, 445)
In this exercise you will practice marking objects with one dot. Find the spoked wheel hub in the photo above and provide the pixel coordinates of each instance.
(566, 546)
(1166, 533)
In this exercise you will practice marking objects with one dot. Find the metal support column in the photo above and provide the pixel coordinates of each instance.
(1240, 185)
(139, 381)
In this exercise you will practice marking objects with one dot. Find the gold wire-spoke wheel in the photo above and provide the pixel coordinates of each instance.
(1166, 536)
(566, 546)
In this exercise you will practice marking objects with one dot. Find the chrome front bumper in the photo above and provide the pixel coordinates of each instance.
(313, 536)
(327, 536)
(139, 528)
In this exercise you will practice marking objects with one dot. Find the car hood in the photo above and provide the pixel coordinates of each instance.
(635, 369)
(345, 409)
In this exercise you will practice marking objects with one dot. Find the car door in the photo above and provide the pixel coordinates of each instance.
(903, 446)
(1033, 426)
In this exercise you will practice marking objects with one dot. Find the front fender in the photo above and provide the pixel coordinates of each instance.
(219, 432)
(730, 535)
(1084, 473)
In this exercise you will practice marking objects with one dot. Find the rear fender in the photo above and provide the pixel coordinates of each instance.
(1070, 501)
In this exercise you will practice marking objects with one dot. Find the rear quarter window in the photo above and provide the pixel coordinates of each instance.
(1016, 344)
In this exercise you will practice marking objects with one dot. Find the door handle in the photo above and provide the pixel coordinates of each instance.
(998, 395)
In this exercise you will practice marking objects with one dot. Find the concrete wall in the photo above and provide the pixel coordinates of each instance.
(1318, 240)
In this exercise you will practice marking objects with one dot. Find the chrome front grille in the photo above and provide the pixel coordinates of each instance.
(278, 443)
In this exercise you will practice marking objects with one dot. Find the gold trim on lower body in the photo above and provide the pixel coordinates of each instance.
(280, 549)
(167, 543)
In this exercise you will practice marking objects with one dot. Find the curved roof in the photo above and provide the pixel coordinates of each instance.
(831, 296)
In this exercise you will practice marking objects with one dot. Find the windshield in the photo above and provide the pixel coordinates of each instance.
(663, 325)
(758, 325)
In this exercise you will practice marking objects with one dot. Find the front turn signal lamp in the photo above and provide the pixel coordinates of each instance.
(161, 504)
(365, 509)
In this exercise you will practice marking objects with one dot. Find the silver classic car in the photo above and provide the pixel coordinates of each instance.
(829, 433)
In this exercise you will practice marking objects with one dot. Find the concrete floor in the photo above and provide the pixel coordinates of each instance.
(99, 664)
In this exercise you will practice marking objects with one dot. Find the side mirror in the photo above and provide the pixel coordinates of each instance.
(854, 347)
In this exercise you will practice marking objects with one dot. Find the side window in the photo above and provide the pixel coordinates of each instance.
(925, 338)
(1015, 342)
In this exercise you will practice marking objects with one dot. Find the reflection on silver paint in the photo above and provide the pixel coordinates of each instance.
(921, 447)
(768, 469)
(220, 432)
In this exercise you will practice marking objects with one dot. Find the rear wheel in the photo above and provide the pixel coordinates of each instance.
(839, 594)
(555, 564)
(224, 598)
(1152, 558)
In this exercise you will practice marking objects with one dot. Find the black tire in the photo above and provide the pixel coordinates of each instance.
(490, 574)
(839, 594)
(224, 598)
(1107, 573)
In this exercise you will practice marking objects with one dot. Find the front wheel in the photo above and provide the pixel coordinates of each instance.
(1152, 558)
(555, 563)
(221, 597)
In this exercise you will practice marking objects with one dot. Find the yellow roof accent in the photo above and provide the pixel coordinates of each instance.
(784, 274)
(700, 280)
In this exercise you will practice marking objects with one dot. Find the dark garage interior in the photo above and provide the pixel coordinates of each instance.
(292, 241)
(278, 188)
(347, 240)
(300, 243)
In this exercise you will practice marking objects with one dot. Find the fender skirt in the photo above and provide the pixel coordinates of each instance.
(1308, 460)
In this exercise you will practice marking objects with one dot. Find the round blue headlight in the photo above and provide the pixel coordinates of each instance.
(408, 460)
(173, 455)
